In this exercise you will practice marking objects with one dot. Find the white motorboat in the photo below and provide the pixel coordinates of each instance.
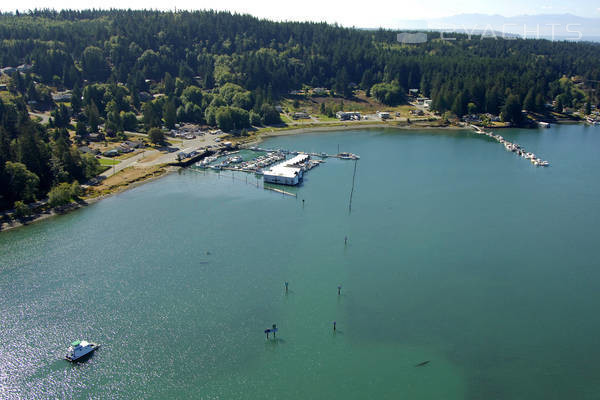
(80, 349)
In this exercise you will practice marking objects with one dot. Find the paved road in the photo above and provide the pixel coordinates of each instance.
(128, 162)
(165, 158)
(194, 144)
(45, 117)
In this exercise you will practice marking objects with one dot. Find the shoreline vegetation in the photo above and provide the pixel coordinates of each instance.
(132, 177)
(45, 212)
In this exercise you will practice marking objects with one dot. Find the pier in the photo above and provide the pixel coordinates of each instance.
(513, 147)
(287, 172)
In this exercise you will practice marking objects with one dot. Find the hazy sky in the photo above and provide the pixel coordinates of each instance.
(348, 13)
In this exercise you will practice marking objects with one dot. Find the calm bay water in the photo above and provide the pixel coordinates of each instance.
(458, 252)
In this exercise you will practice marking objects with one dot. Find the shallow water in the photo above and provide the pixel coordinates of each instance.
(459, 253)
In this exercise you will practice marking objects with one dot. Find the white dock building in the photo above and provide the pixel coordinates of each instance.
(287, 172)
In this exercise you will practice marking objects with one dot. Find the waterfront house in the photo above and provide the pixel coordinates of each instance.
(383, 115)
(88, 150)
(111, 153)
(134, 144)
(124, 148)
(348, 115)
(472, 118)
(301, 115)
(95, 137)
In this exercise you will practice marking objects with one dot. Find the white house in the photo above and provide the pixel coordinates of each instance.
(62, 96)
(348, 115)
(301, 115)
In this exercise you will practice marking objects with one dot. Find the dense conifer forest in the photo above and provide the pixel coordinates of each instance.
(230, 70)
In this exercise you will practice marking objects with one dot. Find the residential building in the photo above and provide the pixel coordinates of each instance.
(62, 96)
(348, 115)
(301, 115)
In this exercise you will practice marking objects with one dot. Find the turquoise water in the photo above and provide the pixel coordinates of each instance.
(459, 253)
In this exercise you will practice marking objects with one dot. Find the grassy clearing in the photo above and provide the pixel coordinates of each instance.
(286, 119)
(108, 161)
(125, 156)
(125, 178)
(325, 118)
(151, 157)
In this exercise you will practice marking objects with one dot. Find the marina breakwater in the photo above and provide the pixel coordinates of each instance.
(513, 147)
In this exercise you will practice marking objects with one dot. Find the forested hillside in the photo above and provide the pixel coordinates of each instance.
(229, 70)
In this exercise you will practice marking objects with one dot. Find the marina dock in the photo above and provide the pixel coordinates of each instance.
(287, 171)
(513, 147)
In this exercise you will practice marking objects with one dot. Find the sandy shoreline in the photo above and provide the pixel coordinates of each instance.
(416, 126)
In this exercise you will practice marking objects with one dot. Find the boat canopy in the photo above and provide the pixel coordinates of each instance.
(76, 343)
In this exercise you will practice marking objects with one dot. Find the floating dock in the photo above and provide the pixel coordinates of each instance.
(513, 147)
(288, 172)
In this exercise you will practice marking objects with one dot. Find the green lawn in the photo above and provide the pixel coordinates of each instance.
(285, 118)
(322, 117)
(108, 161)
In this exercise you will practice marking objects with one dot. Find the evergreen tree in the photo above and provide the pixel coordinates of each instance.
(169, 84)
(152, 114)
(512, 110)
(93, 116)
(76, 100)
(170, 114)
(22, 183)
(156, 136)
(529, 103)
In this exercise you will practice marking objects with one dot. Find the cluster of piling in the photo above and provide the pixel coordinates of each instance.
(273, 329)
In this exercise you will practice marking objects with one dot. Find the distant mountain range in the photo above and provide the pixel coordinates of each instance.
(545, 26)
